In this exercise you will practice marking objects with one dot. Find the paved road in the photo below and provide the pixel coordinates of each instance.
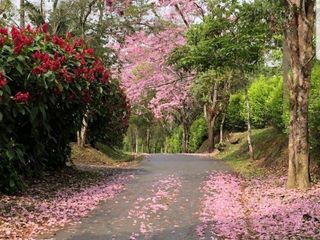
(162, 202)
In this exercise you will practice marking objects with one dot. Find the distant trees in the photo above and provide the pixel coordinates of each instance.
(150, 82)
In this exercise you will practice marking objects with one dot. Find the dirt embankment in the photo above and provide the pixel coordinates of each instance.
(270, 152)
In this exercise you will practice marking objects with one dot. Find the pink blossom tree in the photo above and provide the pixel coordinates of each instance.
(145, 73)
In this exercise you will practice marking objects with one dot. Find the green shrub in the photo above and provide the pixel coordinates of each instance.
(266, 102)
(275, 106)
(314, 109)
(47, 83)
(198, 133)
(174, 142)
(110, 118)
(235, 119)
(259, 92)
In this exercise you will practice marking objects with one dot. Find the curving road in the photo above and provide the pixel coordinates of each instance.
(162, 202)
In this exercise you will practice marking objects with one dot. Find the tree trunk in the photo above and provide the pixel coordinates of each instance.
(137, 141)
(22, 15)
(84, 18)
(211, 124)
(210, 114)
(249, 127)
(181, 15)
(82, 136)
(133, 144)
(185, 140)
(148, 140)
(55, 4)
(298, 31)
(78, 138)
(299, 159)
(43, 9)
(221, 127)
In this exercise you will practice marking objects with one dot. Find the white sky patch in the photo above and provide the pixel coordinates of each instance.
(47, 3)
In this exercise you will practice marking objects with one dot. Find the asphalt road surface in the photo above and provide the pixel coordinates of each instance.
(162, 202)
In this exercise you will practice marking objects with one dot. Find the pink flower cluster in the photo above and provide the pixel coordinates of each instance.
(34, 216)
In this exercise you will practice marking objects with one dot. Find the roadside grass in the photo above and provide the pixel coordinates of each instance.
(102, 155)
(270, 151)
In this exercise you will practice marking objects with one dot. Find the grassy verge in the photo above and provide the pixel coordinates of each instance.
(102, 155)
(270, 151)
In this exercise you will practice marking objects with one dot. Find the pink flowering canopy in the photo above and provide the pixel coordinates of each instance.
(145, 70)
(145, 74)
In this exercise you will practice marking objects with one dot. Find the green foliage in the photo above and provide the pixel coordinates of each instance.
(258, 94)
(114, 153)
(203, 84)
(265, 96)
(266, 102)
(232, 36)
(314, 108)
(174, 142)
(109, 118)
(270, 145)
(276, 105)
(198, 133)
(235, 120)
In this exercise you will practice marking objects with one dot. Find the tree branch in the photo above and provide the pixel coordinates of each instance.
(84, 20)
(181, 14)
(200, 9)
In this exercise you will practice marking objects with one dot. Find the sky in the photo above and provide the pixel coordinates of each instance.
(48, 3)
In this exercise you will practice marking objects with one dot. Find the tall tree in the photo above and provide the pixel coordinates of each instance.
(212, 89)
(232, 36)
(298, 32)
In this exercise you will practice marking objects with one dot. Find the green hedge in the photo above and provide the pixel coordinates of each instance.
(198, 134)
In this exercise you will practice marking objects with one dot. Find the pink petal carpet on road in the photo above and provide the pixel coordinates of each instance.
(237, 208)
(30, 216)
(221, 210)
(164, 193)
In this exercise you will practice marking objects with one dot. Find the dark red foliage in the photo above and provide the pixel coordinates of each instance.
(3, 80)
(44, 27)
(21, 97)
(3, 36)
(21, 38)
(58, 41)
